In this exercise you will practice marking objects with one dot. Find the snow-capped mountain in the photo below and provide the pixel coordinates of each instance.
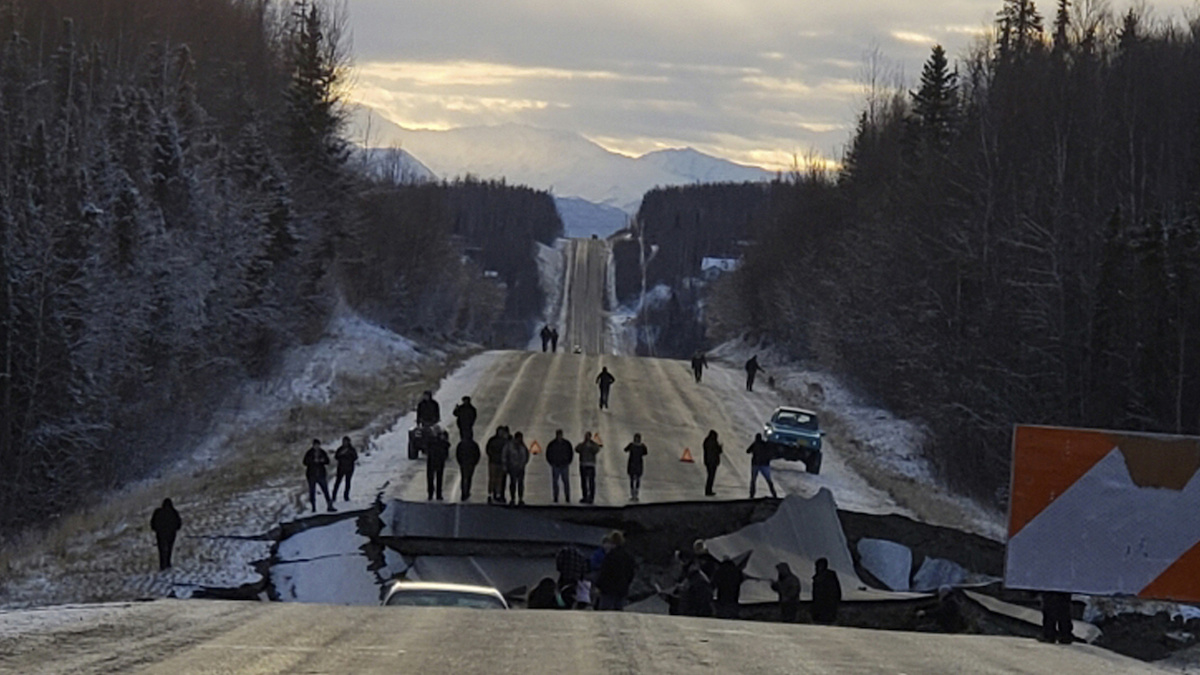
(396, 164)
(562, 162)
(582, 219)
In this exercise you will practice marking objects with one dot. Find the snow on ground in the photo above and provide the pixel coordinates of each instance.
(237, 484)
(883, 450)
(552, 269)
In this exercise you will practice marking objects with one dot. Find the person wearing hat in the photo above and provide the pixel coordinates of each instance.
(616, 574)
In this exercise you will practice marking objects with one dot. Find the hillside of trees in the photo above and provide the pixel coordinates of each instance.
(177, 208)
(1017, 240)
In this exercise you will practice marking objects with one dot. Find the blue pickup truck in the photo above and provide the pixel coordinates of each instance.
(795, 435)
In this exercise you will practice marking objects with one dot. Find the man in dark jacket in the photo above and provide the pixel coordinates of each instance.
(696, 596)
(636, 465)
(699, 363)
(560, 454)
(605, 380)
(436, 455)
(712, 459)
(315, 461)
(1056, 617)
(495, 458)
(545, 335)
(587, 450)
(345, 457)
(554, 339)
(787, 585)
(429, 412)
(464, 417)
(616, 574)
(827, 593)
(727, 581)
(467, 455)
(760, 463)
(166, 524)
(752, 369)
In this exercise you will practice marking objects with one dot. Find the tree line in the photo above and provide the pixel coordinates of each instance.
(177, 208)
(1016, 240)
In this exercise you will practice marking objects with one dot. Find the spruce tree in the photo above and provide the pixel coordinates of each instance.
(936, 102)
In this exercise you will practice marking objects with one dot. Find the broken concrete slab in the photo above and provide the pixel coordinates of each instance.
(481, 522)
(1081, 629)
(801, 531)
(887, 561)
(937, 572)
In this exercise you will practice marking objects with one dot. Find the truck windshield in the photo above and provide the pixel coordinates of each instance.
(796, 420)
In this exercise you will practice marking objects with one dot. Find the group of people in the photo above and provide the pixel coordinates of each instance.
(549, 335)
(600, 581)
(315, 462)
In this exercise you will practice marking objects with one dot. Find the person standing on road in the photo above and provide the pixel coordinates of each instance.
(605, 380)
(827, 593)
(345, 457)
(712, 459)
(752, 369)
(495, 457)
(587, 450)
(616, 574)
(635, 466)
(166, 523)
(315, 461)
(760, 463)
(435, 462)
(516, 456)
(429, 412)
(464, 417)
(545, 335)
(699, 363)
(560, 454)
(727, 581)
(572, 568)
(467, 456)
(787, 585)
(554, 339)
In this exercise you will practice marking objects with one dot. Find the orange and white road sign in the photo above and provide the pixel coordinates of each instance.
(1104, 512)
(687, 456)
(535, 449)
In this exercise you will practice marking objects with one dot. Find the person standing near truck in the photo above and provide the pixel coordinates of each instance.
(760, 463)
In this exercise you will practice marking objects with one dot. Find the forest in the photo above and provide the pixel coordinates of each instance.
(1015, 240)
(179, 205)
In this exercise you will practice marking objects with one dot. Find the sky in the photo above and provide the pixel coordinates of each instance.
(763, 82)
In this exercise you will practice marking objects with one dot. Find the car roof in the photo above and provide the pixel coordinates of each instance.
(784, 408)
(443, 586)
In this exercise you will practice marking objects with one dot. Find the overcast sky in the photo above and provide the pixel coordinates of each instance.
(755, 81)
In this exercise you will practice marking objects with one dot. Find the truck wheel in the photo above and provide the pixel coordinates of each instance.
(813, 465)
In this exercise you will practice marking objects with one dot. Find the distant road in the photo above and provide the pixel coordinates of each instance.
(587, 285)
(175, 637)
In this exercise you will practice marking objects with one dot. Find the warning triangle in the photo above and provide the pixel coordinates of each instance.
(687, 456)
(534, 448)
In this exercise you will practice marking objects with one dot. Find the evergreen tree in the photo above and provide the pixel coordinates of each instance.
(936, 102)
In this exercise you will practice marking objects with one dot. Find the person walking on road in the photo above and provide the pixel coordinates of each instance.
(345, 457)
(605, 380)
(787, 585)
(516, 457)
(587, 450)
(166, 523)
(760, 463)
(429, 412)
(554, 339)
(635, 466)
(315, 461)
(560, 454)
(464, 417)
(827, 593)
(727, 581)
(699, 363)
(495, 457)
(752, 369)
(616, 574)
(545, 335)
(467, 456)
(712, 459)
(436, 455)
